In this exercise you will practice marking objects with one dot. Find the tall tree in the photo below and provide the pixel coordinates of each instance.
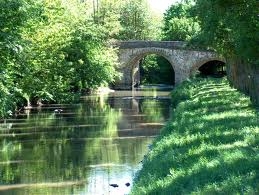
(64, 48)
(179, 25)
(12, 17)
(49, 48)
(135, 20)
(231, 27)
(105, 13)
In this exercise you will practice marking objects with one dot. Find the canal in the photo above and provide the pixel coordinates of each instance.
(80, 148)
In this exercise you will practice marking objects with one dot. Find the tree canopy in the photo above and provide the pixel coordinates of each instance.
(179, 25)
(54, 50)
(231, 27)
(51, 49)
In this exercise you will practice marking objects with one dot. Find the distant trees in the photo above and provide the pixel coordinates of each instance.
(135, 19)
(179, 24)
(152, 67)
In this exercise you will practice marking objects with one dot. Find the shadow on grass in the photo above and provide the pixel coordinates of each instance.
(220, 172)
(209, 147)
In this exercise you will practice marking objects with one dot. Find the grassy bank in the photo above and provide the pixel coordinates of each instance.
(210, 146)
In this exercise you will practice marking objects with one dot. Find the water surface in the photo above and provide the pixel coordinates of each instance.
(80, 148)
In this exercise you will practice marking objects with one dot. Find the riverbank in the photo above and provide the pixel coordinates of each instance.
(210, 146)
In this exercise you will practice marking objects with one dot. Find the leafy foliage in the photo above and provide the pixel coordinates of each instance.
(179, 25)
(51, 50)
(126, 20)
(12, 16)
(152, 67)
(135, 20)
(230, 27)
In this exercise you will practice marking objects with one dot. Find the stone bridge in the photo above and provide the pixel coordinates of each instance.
(184, 61)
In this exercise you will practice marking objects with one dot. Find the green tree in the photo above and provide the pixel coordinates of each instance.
(105, 14)
(12, 17)
(135, 20)
(230, 27)
(127, 20)
(179, 25)
(46, 75)
(64, 52)
(49, 48)
(93, 62)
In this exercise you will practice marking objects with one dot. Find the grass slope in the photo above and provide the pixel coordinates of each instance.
(210, 146)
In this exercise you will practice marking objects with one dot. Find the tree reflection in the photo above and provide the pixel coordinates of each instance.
(78, 145)
(154, 110)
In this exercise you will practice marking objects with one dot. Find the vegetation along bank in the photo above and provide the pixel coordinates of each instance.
(54, 51)
(210, 146)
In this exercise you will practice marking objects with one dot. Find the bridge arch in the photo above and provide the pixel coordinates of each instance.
(204, 61)
(134, 59)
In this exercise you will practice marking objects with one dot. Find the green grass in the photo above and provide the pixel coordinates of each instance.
(210, 146)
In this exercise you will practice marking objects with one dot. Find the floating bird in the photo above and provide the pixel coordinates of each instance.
(114, 185)
(58, 110)
(127, 184)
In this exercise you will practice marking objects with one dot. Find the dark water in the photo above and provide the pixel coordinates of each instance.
(82, 149)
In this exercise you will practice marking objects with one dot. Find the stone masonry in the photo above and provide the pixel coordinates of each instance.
(184, 61)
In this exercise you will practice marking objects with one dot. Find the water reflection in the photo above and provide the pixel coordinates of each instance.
(83, 148)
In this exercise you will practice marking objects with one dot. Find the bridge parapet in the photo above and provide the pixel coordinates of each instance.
(149, 44)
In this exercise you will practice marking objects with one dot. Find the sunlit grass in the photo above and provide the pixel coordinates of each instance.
(210, 146)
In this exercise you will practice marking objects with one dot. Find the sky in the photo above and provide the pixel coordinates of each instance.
(159, 6)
